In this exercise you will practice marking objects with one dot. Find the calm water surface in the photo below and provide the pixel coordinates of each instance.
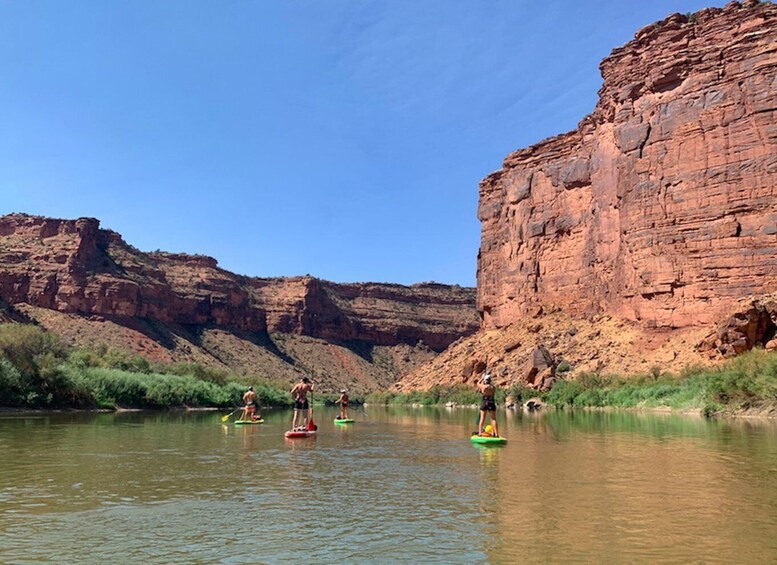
(401, 485)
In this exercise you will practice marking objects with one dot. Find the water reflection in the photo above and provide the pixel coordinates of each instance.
(401, 484)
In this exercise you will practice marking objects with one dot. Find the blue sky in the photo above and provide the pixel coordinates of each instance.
(341, 139)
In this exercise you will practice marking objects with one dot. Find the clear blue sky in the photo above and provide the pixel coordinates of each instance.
(344, 139)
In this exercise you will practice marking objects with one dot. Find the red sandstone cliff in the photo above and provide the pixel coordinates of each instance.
(660, 207)
(88, 284)
(645, 240)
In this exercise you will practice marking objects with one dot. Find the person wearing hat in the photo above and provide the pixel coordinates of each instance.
(249, 411)
(487, 405)
(343, 402)
(300, 395)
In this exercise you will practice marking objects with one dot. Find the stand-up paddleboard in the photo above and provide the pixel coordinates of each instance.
(249, 422)
(344, 420)
(299, 433)
(488, 440)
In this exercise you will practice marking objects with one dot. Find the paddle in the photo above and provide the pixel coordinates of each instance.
(225, 418)
(312, 427)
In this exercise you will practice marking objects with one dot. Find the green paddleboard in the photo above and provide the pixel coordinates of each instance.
(249, 422)
(488, 440)
(344, 421)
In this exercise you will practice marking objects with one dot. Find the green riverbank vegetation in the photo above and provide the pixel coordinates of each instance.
(747, 382)
(437, 395)
(37, 370)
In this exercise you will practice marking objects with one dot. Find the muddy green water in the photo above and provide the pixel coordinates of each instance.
(401, 485)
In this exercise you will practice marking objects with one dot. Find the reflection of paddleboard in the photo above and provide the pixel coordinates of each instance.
(249, 422)
(344, 420)
(299, 433)
(488, 440)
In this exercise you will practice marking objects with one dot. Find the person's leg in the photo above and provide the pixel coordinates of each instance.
(345, 411)
(493, 424)
(305, 419)
(294, 420)
(482, 419)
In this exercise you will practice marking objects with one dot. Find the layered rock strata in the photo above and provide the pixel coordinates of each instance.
(74, 268)
(660, 208)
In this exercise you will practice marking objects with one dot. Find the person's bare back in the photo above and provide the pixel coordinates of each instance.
(300, 391)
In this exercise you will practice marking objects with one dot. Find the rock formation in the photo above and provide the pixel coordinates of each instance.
(752, 324)
(70, 273)
(646, 239)
(660, 207)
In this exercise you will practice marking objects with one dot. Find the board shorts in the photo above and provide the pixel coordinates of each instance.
(301, 404)
(488, 405)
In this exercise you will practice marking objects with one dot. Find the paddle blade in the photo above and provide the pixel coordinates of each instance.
(225, 418)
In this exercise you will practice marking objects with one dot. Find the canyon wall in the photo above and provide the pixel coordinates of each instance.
(660, 208)
(73, 266)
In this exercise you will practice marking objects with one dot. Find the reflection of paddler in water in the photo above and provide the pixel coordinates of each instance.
(487, 405)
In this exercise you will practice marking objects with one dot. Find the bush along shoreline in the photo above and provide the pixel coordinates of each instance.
(747, 383)
(744, 384)
(38, 371)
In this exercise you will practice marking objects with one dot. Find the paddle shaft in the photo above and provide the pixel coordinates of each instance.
(225, 418)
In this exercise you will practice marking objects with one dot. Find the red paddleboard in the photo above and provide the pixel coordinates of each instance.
(300, 433)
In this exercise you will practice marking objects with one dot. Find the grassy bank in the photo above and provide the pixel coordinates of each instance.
(37, 370)
(437, 395)
(746, 382)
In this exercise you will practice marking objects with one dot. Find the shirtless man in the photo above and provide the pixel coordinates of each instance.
(343, 402)
(249, 410)
(488, 404)
(300, 395)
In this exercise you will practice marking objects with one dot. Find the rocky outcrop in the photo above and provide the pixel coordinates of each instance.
(74, 268)
(660, 207)
(383, 314)
(753, 324)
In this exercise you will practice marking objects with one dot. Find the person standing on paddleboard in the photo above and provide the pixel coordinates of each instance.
(300, 395)
(249, 411)
(343, 402)
(487, 405)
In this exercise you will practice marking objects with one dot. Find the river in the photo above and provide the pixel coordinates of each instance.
(400, 485)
